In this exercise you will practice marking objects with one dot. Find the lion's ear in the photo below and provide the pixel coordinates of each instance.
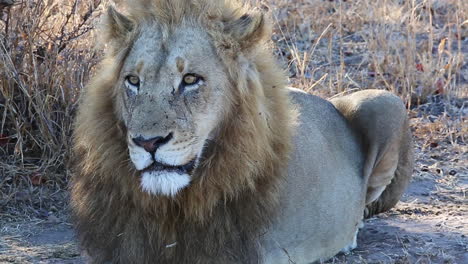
(249, 29)
(117, 27)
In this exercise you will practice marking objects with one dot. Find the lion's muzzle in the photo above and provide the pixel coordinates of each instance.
(165, 166)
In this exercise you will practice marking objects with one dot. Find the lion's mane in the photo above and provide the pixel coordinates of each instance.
(234, 191)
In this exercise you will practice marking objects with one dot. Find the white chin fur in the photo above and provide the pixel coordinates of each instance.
(164, 183)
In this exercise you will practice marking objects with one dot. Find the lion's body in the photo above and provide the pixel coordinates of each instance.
(327, 168)
(274, 174)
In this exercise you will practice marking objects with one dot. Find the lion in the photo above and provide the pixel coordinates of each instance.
(189, 147)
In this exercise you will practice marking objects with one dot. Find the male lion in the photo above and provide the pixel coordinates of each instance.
(189, 148)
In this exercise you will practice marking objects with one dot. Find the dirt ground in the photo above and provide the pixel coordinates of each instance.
(429, 225)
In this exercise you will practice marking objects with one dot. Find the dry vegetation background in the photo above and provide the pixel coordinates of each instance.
(415, 48)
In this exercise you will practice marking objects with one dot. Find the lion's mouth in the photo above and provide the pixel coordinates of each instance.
(161, 167)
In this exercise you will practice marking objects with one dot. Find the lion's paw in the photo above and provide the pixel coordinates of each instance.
(346, 250)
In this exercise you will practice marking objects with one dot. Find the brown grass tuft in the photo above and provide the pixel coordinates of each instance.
(45, 60)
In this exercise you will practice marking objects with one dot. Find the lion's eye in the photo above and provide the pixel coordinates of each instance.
(191, 79)
(132, 83)
(133, 80)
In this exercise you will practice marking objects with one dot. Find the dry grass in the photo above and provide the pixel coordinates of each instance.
(415, 48)
(45, 60)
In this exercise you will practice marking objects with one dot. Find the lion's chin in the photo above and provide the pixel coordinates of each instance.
(167, 183)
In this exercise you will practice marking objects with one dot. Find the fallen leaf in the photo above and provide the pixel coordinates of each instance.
(37, 179)
(4, 139)
(420, 67)
(440, 84)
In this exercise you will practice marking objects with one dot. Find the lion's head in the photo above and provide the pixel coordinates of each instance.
(180, 78)
(172, 93)
(188, 104)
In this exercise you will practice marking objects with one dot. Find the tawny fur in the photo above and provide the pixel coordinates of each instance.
(234, 190)
(400, 182)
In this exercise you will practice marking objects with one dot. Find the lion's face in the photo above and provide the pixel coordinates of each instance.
(171, 96)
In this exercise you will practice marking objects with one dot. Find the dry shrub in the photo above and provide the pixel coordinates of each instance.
(45, 59)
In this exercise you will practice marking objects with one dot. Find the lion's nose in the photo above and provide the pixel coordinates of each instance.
(152, 144)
